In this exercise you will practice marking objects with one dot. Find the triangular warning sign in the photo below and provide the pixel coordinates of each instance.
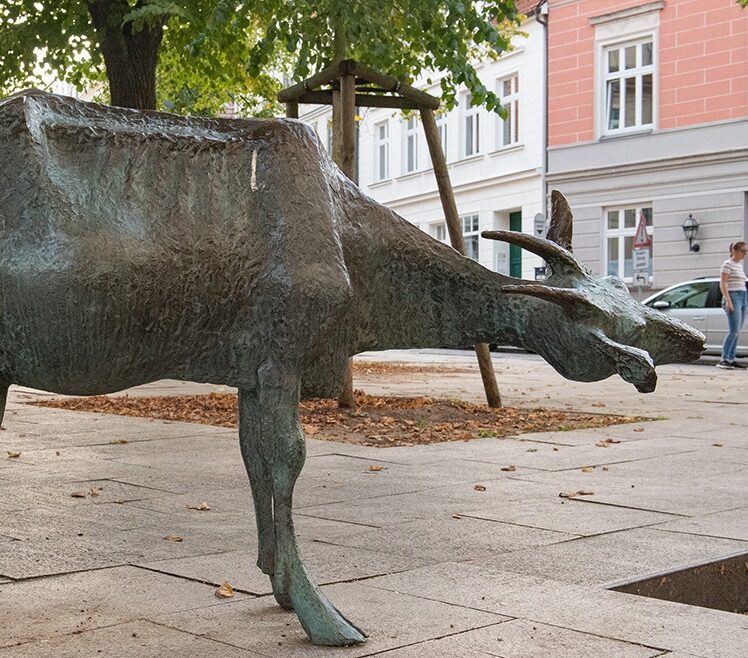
(641, 237)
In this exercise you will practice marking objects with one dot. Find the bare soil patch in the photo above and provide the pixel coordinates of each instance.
(381, 421)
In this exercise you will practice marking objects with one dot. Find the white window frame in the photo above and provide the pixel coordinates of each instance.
(381, 151)
(329, 137)
(410, 144)
(439, 232)
(470, 227)
(620, 233)
(636, 73)
(641, 23)
(442, 128)
(512, 104)
(470, 128)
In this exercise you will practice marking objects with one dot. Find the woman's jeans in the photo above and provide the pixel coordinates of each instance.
(735, 320)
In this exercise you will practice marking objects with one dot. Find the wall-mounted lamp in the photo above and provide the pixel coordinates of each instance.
(691, 228)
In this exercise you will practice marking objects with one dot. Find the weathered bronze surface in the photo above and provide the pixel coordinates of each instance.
(136, 246)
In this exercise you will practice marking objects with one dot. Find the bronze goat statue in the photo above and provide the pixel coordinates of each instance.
(136, 246)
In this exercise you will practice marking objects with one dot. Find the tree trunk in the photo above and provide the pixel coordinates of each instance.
(344, 150)
(449, 205)
(130, 56)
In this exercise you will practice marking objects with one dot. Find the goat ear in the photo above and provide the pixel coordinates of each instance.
(632, 364)
(561, 227)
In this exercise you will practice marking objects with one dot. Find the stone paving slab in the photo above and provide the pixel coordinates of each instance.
(454, 539)
(387, 617)
(327, 563)
(629, 555)
(520, 638)
(639, 620)
(138, 639)
(397, 521)
(569, 516)
(731, 524)
(51, 607)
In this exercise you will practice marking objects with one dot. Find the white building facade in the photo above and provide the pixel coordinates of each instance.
(496, 166)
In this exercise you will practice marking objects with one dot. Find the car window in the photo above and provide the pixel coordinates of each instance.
(689, 295)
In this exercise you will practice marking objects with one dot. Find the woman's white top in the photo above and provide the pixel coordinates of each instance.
(736, 278)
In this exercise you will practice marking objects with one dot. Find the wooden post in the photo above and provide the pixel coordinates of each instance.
(344, 155)
(292, 110)
(493, 397)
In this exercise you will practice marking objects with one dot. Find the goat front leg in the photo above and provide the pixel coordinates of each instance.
(250, 441)
(283, 453)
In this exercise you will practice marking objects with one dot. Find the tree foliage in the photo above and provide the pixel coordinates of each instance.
(405, 38)
(206, 52)
(43, 40)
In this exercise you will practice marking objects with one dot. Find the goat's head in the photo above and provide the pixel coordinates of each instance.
(593, 327)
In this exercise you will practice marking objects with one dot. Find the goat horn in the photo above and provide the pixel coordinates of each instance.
(567, 298)
(557, 257)
(560, 230)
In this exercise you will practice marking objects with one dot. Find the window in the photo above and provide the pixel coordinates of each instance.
(689, 295)
(471, 234)
(411, 144)
(441, 127)
(329, 136)
(619, 238)
(439, 231)
(509, 127)
(382, 151)
(629, 80)
(471, 127)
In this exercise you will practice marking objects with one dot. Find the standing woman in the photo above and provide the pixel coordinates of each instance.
(734, 301)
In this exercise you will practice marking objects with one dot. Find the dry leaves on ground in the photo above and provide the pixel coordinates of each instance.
(225, 591)
(379, 421)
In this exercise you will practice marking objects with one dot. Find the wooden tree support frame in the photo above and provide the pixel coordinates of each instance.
(351, 85)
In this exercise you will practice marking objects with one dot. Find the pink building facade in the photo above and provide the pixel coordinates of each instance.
(648, 117)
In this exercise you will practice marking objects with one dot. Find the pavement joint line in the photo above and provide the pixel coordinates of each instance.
(63, 574)
(607, 637)
(138, 565)
(324, 518)
(209, 638)
(525, 525)
(142, 486)
(639, 509)
(383, 652)
(700, 534)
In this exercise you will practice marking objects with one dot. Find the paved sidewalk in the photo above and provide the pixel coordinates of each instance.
(426, 563)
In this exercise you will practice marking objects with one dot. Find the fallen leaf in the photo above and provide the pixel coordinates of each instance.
(598, 404)
(511, 467)
(605, 468)
(120, 441)
(13, 455)
(718, 445)
(638, 429)
(78, 494)
(456, 516)
(93, 491)
(199, 506)
(532, 450)
(479, 487)
(374, 468)
(574, 494)
(174, 538)
(587, 469)
(225, 591)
